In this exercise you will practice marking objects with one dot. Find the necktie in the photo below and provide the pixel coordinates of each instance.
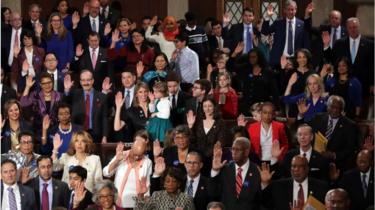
(290, 38)
(190, 188)
(220, 43)
(353, 51)
(87, 113)
(16, 39)
(334, 36)
(249, 41)
(304, 154)
(173, 101)
(364, 184)
(12, 199)
(127, 99)
(71, 202)
(329, 130)
(239, 181)
(93, 58)
(45, 200)
(93, 26)
(300, 196)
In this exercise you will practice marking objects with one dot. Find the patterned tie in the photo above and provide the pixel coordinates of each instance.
(353, 51)
(12, 199)
(45, 200)
(334, 36)
(364, 184)
(86, 125)
(239, 182)
(127, 99)
(93, 58)
(249, 41)
(93, 26)
(300, 196)
(190, 188)
(290, 38)
(329, 130)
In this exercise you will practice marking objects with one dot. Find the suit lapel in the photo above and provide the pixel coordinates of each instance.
(289, 190)
(55, 194)
(22, 194)
(200, 188)
(232, 179)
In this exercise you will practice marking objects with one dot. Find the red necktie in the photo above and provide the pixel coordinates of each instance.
(16, 40)
(239, 181)
(45, 200)
(87, 113)
(93, 59)
(300, 196)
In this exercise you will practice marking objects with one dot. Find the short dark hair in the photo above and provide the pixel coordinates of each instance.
(43, 157)
(62, 105)
(182, 37)
(94, 33)
(205, 85)
(175, 173)
(25, 133)
(146, 17)
(267, 103)
(215, 22)
(46, 75)
(172, 77)
(5, 161)
(50, 53)
(217, 113)
(247, 9)
(79, 170)
(190, 16)
(29, 34)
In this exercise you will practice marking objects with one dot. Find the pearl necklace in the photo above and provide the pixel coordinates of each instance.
(66, 132)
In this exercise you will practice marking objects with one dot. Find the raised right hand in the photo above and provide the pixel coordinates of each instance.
(68, 83)
(265, 174)
(239, 48)
(120, 151)
(159, 167)
(241, 121)
(293, 79)
(326, 38)
(217, 164)
(57, 142)
(115, 36)
(119, 100)
(29, 81)
(154, 20)
(190, 117)
(270, 11)
(46, 122)
(75, 18)
(79, 50)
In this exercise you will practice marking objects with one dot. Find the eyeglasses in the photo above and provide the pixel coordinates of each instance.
(26, 142)
(101, 197)
(192, 163)
(46, 83)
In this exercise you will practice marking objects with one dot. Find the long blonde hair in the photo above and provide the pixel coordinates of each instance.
(62, 30)
(90, 146)
(320, 83)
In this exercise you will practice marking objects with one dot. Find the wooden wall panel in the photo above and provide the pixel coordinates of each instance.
(204, 9)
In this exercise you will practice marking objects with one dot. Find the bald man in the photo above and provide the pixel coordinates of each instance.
(337, 199)
(282, 193)
(359, 182)
(129, 168)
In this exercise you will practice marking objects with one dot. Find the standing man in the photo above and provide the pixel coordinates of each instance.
(14, 195)
(109, 14)
(177, 99)
(50, 65)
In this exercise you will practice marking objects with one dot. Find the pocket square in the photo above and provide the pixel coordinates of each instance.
(314, 169)
(102, 61)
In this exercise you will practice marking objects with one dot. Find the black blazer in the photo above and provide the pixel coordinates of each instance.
(318, 165)
(235, 34)
(99, 112)
(81, 33)
(279, 194)
(201, 197)
(192, 104)
(224, 185)
(87, 200)
(7, 93)
(343, 141)
(178, 115)
(351, 182)
(135, 119)
(61, 192)
(27, 196)
(6, 36)
(113, 17)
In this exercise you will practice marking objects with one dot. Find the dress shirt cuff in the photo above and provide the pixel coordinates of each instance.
(214, 173)
(273, 161)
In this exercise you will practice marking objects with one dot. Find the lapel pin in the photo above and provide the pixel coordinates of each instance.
(202, 188)
(250, 174)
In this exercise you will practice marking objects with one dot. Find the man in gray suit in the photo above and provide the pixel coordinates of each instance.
(16, 196)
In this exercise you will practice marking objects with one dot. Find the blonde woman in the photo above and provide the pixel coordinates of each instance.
(80, 152)
(312, 101)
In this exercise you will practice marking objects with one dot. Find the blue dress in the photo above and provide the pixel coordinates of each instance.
(63, 48)
(320, 106)
(157, 127)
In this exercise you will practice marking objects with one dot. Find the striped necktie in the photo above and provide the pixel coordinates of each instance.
(190, 188)
(239, 182)
(329, 130)
(12, 199)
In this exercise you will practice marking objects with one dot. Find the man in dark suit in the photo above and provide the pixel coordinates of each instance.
(54, 192)
(89, 106)
(196, 184)
(290, 33)
(337, 199)
(92, 22)
(16, 196)
(177, 99)
(201, 89)
(80, 198)
(34, 18)
(237, 183)
(340, 132)
(359, 50)
(283, 193)
(218, 41)
(359, 182)
(7, 92)
(318, 165)
(108, 13)
(50, 65)
(93, 58)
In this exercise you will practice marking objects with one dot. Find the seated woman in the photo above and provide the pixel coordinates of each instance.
(172, 197)
(344, 84)
(312, 101)
(158, 72)
(80, 152)
(105, 196)
(226, 96)
(43, 101)
(12, 126)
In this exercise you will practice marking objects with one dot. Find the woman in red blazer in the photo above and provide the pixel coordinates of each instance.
(279, 145)
(226, 96)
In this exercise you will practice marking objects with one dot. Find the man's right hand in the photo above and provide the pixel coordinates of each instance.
(217, 164)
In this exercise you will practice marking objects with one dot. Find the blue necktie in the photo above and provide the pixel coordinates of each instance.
(93, 26)
(190, 188)
(249, 41)
(12, 199)
(353, 51)
(290, 38)
(334, 36)
(364, 184)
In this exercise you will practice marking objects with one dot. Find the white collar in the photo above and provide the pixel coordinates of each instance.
(293, 20)
(14, 186)
(196, 179)
(244, 166)
(358, 38)
(191, 28)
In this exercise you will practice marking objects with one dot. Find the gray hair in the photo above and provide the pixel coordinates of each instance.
(215, 204)
(243, 141)
(106, 183)
(352, 19)
(340, 190)
(290, 3)
(336, 98)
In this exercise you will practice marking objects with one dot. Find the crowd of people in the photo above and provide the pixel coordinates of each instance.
(262, 114)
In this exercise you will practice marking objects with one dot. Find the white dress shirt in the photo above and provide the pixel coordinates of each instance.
(96, 19)
(17, 195)
(195, 184)
(266, 144)
(351, 40)
(29, 58)
(287, 34)
(296, 189)
(55, 78)
(49, 190)
(308, 153)
(11, 52)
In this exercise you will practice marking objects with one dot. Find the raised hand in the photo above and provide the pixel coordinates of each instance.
(79, 50)
(120, 151)
(75, 19)
(85, 9)
(160, 166)
(68, 83)
(79, 193)
(241, 121)
(326, 38)
(57, 142)
(154, 20)
(283, 61)
(38, 29)
(297, 205)
(16, 51)
(293, 79)
(270, 11)
(25, 66)
(107, 29)
(119, 100)
(302, 106)
(115, 36)
(217, 164)
(25, 175)
(276, 150)
(151, 96)
(143, 188)
(157, 149)
(368, 144)
(106, 85)
(309, 9)
(190, 117)
(265, 174)
(326, 69)
(209, 69)
(174, 55)
(226, 19)
(140, 68)
(29, 81)
(333, 172)
(239, 48)
(46, 122)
